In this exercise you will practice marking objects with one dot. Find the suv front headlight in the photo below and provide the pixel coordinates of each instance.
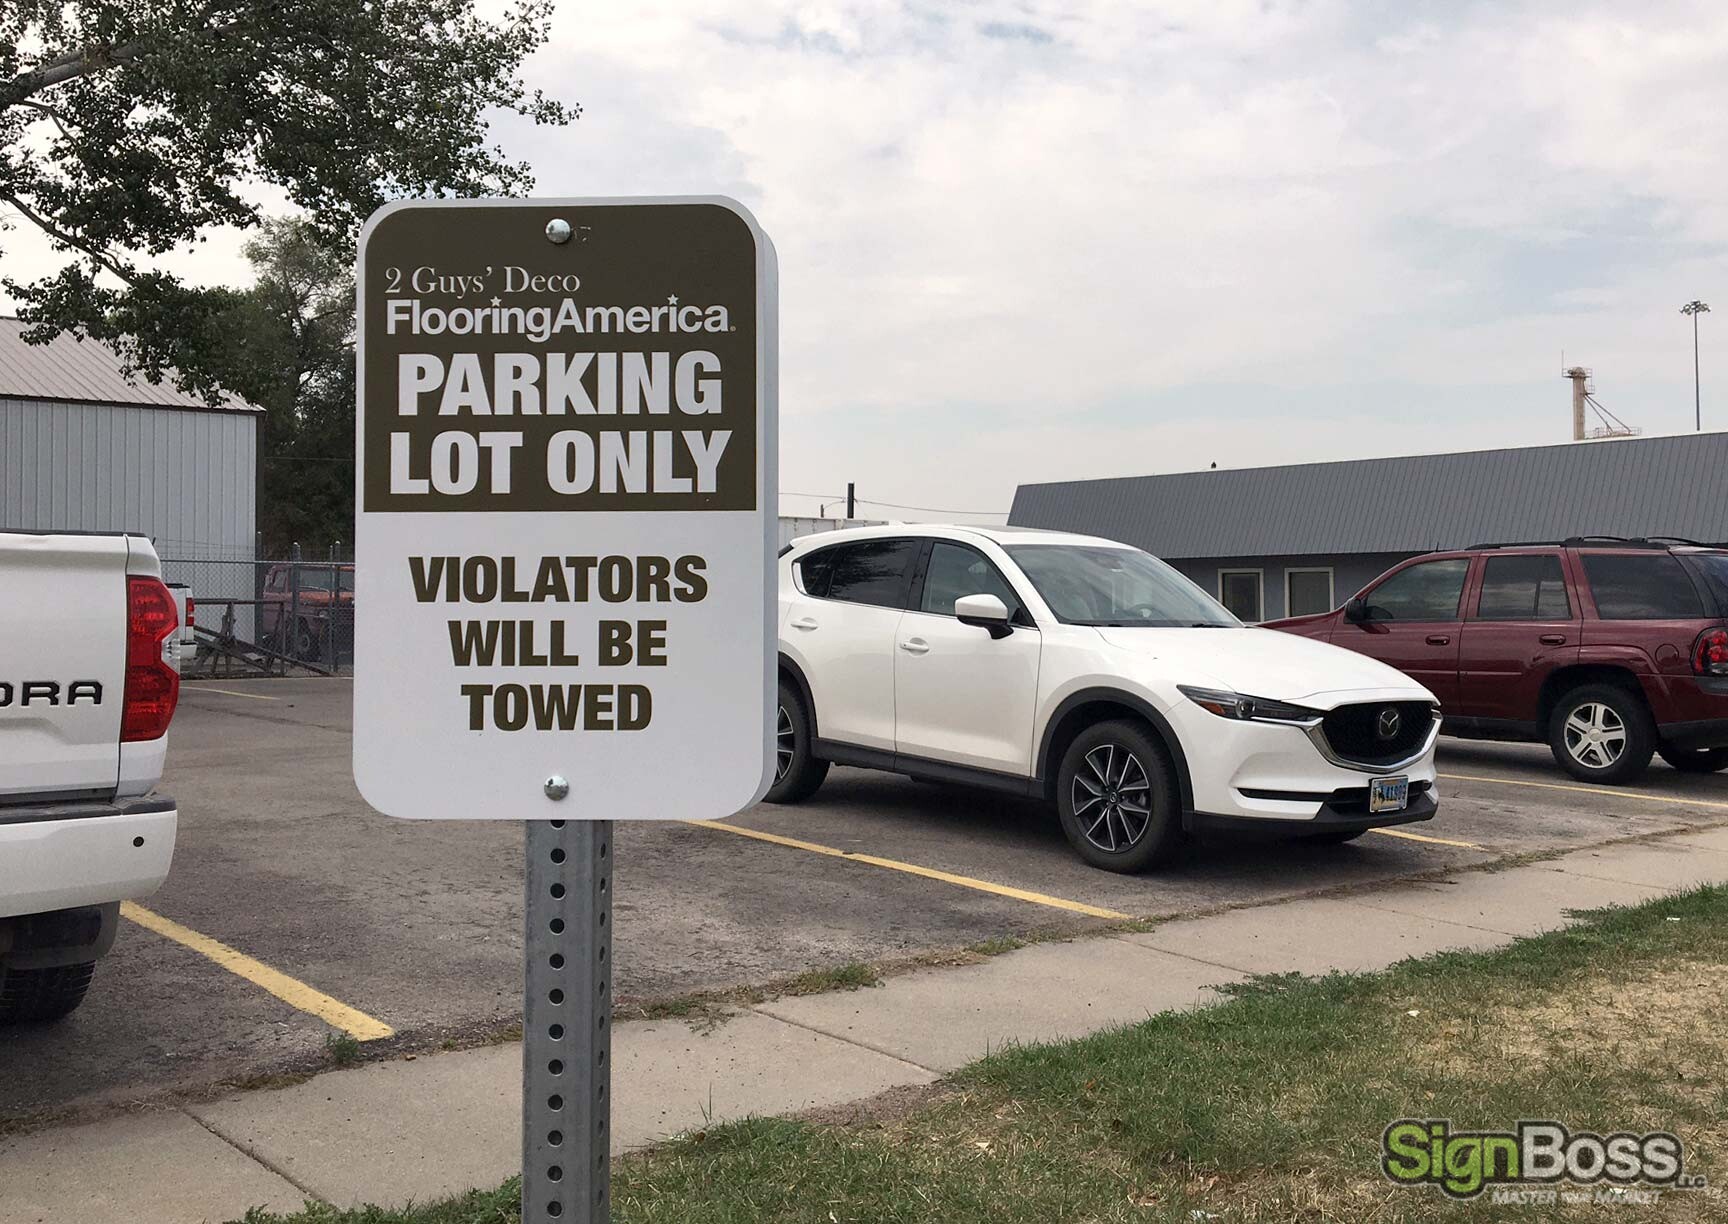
(1242, 708)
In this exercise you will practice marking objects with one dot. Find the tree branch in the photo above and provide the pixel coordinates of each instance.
(67, 67)
(60, 235)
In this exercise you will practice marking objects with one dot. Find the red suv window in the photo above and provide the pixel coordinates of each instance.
(1653, 586)
(1714, 567)
(1524, 587)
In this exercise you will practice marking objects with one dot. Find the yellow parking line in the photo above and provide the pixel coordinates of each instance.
(1419, 837)
(929, 873)
(356, 1024)
(1589, 790)
(198, 688)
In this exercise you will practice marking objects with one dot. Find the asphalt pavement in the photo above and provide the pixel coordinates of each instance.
(291, 903)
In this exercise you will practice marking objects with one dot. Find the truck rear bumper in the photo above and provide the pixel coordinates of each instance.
(61, 856)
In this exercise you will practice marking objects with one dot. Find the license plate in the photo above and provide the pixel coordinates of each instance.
(1388, 794)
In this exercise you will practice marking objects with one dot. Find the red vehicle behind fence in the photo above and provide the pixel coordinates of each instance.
(306, 611)
(1607, 649)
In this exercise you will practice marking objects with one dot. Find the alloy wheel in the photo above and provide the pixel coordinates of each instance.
(1595, 735)
(785, 743)
(1111, 798)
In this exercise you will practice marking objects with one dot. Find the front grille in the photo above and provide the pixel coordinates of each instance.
(1356, 732)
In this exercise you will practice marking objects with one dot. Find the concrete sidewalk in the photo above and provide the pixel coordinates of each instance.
(401, 1131)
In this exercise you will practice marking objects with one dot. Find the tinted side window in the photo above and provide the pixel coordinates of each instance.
(1651, 587)
(1714, 568)
(1524, 588)
(1425, 592)
(956, 571)
(813, 572)
(873, 572)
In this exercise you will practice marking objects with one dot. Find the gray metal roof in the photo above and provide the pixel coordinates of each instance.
(67, 368)
(1629, 486)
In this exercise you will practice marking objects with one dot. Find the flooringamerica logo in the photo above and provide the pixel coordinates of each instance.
(1544, 1159)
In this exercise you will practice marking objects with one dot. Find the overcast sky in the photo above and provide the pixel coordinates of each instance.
(1057, 239)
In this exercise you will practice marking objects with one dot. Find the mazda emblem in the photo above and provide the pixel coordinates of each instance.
(1387, 727)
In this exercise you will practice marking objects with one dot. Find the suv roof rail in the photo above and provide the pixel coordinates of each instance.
(1589, 541)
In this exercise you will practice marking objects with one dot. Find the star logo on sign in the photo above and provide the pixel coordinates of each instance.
(497, 301)
(672, 300)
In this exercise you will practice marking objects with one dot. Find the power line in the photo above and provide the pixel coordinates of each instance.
(865, 501)
(927, 509)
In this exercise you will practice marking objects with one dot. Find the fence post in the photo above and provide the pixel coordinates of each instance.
(288, 631)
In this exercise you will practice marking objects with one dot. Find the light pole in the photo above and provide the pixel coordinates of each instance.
(1696, 308)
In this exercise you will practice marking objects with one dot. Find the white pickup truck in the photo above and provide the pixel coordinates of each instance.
(88, 684)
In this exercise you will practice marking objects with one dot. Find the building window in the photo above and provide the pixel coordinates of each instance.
(1240, 591)
(1307, 591)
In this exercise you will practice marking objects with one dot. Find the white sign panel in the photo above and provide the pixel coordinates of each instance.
(566, 509)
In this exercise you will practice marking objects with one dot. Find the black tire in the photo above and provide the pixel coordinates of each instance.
(797, 771)
(1694, 760)
(1625, 734)
(1104, 769)
(308, 645)
(35, 996)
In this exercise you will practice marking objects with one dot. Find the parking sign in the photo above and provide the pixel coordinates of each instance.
(566, 509)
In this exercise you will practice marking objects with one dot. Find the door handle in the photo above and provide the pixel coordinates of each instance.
(1439, 639)
(915, 646)
(1552, 639)
(804, 622)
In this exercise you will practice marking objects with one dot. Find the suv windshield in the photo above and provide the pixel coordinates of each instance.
(1093, 585)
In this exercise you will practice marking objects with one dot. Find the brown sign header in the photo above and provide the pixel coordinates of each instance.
(613, 370)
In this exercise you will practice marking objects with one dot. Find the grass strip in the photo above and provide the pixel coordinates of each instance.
(1268, 1107)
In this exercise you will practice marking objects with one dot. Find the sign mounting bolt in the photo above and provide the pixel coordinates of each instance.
(558, 231)
(557, 787)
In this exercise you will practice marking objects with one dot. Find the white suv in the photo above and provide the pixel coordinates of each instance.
(1089, 673)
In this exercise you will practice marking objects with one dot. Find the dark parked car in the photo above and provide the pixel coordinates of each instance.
(1607, 649)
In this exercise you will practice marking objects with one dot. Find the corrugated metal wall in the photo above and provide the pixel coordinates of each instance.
(184, 478)
(1631, 486)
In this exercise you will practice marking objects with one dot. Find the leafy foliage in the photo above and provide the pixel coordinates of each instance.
(128, 128)
(290, 350)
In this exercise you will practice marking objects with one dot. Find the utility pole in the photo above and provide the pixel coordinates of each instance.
(852, 500)
(1696, 308)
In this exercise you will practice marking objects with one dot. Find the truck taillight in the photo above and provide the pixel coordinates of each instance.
(1710, 655)
(190, 618)
(152, 687)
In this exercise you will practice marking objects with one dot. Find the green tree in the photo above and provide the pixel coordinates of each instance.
(291, 352)
(129, 128)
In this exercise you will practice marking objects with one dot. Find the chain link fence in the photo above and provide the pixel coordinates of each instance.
(281, 617)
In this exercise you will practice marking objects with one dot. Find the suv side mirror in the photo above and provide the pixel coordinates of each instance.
(985, 612)
(1356, 611)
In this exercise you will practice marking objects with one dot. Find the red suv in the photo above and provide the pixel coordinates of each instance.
(1607, 649)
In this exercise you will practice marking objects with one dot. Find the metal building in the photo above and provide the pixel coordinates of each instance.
(85, 448)
(1286, 541)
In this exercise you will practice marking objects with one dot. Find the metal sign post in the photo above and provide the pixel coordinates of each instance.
(564, 572)
(567, 1022)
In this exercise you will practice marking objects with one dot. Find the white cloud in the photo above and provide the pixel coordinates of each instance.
(1023, 239)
